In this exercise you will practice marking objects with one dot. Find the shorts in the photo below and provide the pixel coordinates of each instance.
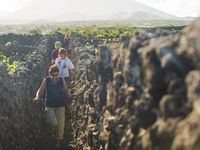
(67, 80)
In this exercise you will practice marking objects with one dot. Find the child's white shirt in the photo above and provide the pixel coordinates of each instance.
(64, 66)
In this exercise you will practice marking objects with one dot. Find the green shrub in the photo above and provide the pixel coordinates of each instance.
(8, 44)
(10, 67)
(96, 51)
(35, 31)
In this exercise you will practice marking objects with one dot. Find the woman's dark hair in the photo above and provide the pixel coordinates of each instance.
(62, 51)
(53, 69)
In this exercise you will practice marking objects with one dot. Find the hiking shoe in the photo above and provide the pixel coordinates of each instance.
(58, 144)
(52, 137)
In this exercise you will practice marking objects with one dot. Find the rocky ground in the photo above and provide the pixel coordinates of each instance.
(142, 94)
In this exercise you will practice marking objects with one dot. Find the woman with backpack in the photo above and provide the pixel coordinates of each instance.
(55, 101)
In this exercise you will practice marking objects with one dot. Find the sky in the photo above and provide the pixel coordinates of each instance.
(10, 6)
(180, 8)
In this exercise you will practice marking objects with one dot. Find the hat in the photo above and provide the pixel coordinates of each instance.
(58, 44)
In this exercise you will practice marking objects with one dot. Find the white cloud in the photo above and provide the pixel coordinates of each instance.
(175, 7)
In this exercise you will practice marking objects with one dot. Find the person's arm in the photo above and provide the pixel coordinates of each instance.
(56, 61)
(65, 41)
(71, 67)
(66, 88)
(69, 43)
(40, 90)
(72, 71)
(52, 57)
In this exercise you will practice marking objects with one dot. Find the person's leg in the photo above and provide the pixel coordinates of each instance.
(51, 120)
(60, 115)
(67, 80)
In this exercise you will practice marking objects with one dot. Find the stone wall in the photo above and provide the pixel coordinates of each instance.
(139, 95)
(20, 39)
(21, 119)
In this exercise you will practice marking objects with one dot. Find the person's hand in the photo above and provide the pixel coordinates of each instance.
(69, 95)
(52, 62)
(36, 99)
(72, 75)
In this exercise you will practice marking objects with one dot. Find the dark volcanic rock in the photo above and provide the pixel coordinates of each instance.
(22, 121)
(187, 133)
(171, 106)
(193, 85)
(142, 94)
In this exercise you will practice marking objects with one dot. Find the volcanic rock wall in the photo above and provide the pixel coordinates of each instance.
(16, 47)
(142, 94)
(21, 119)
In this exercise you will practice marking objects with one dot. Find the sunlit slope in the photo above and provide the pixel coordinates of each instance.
(65, 10)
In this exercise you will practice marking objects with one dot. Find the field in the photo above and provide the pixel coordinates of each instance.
(11, 52)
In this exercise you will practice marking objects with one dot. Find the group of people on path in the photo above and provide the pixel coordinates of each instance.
(57, 86)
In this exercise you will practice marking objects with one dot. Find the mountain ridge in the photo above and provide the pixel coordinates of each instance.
(70, 10)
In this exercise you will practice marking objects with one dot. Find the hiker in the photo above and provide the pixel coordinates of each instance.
(65, 65)
(55, 101)
(66, 42)
(54, 54)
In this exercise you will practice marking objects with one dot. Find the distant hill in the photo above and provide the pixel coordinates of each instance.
(189, 18)
(74, 10)
(143, 15)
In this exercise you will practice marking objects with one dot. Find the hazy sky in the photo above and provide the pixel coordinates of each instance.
(180, 8)
(176, 7)
(10, 6)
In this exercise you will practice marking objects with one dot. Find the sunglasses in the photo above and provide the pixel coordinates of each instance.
(54, 75)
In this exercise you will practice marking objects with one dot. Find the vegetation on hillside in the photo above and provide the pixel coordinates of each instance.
(45, 28)
(93, 35)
